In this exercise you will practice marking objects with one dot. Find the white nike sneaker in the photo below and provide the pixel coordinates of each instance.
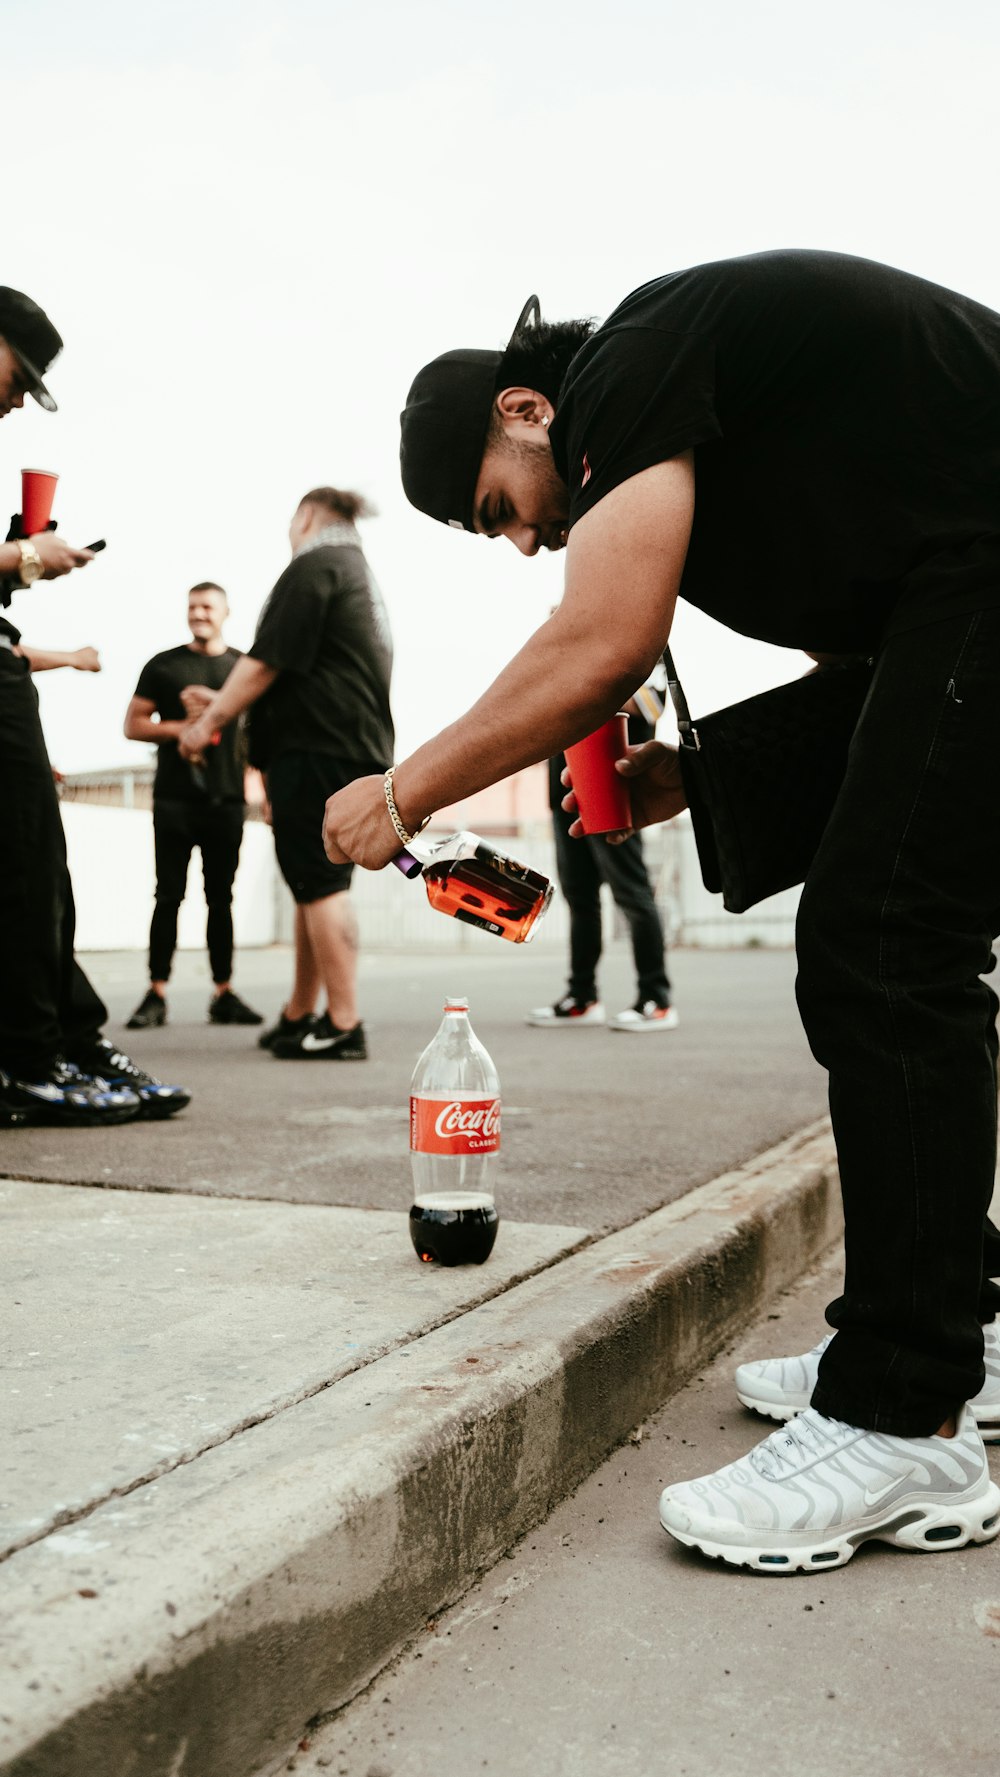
(777, 1387)
(646, 1015)
(816, 1489)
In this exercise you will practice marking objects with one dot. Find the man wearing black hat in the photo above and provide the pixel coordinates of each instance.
(28, 343)
(55, 1065)
(840, 422)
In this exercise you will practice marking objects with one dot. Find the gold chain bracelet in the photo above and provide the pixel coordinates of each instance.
(394, 816)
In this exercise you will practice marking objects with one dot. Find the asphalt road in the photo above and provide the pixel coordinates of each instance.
(599, 1128)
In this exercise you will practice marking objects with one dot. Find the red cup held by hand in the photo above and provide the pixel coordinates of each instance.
(602, 796)
(38, 490)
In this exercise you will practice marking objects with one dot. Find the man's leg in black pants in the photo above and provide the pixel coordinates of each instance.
(895, 931)
(36, 898)
(174, 839)
(83, 1012)
(220, 834)
(581, 886)
(623, 868)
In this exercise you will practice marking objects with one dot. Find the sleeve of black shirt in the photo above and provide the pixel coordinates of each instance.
(289, 627)
(149, 683)
(639, 397)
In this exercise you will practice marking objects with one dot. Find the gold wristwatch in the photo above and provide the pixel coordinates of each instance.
(32, 566)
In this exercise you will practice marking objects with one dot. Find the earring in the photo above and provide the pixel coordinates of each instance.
(545, 419)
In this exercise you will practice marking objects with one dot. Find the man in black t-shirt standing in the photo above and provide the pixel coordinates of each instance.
(807, 446)
(317, 678)
(196, 803)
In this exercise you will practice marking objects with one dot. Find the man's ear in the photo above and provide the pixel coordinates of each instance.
(524, 412)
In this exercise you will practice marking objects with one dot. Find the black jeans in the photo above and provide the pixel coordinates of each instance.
(583, 864)
(895, 931)
(217, 830)
(47, 1005)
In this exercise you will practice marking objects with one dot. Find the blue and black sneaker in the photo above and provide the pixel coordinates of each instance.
(65, 1096)
(118, 1071)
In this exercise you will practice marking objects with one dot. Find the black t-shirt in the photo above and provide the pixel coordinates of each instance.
(161, 681)
(325, 628)
(845, 421)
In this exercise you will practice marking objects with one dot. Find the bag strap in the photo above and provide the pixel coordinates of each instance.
(685, 727)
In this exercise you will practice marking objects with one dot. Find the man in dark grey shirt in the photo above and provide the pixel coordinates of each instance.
(317, 678)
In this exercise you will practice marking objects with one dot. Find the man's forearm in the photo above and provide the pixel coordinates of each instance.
(557, 689)
(623, 572)
(43, 660)
(157, 733)
(247, 682)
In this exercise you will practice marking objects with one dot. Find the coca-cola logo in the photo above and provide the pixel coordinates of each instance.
(458, 1119)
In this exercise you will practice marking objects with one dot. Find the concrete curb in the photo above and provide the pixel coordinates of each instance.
(193, 1628)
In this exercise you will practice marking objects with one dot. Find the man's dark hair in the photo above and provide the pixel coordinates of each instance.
(539, 357)
(209, 586)
(341, 503)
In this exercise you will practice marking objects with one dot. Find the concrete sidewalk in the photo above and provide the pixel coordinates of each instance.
(600, 1648)
(252, 1447)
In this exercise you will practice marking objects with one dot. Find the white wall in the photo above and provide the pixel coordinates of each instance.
(111, 861)
(111, 858)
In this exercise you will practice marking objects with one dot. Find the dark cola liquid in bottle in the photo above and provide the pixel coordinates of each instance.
(454, 1145)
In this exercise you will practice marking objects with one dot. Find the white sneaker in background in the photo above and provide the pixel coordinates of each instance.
(778, 1387)
(646, 1015)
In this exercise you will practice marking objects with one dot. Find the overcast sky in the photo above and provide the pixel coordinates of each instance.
(252, 223)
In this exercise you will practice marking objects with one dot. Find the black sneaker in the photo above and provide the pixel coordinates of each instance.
(322, 1042)
(65, 1096)
(150, 1012)
(228, 1008)
(286, 1027)
(112, 1067)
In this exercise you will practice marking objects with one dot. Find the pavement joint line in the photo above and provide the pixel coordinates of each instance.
(64, 1520)
(300, 1563)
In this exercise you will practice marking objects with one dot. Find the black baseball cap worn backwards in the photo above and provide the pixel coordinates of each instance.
(444, 426)
(32, 338)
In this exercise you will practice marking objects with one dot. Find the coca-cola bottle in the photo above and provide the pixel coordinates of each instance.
(454, 1144)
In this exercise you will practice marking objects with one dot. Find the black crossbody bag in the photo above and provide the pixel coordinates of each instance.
(762, 776)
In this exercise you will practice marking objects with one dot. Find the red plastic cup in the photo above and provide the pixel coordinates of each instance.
(602, 796)
(38, 490)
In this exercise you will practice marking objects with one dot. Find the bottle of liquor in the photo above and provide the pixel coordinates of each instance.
(472, 881)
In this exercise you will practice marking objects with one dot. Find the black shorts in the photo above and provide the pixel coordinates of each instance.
(298, 786)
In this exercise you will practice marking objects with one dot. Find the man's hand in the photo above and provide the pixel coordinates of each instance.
(57, 556)
(655, 788)
(196, 698)
(194, 737)
(86, 660)
(357, 828)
